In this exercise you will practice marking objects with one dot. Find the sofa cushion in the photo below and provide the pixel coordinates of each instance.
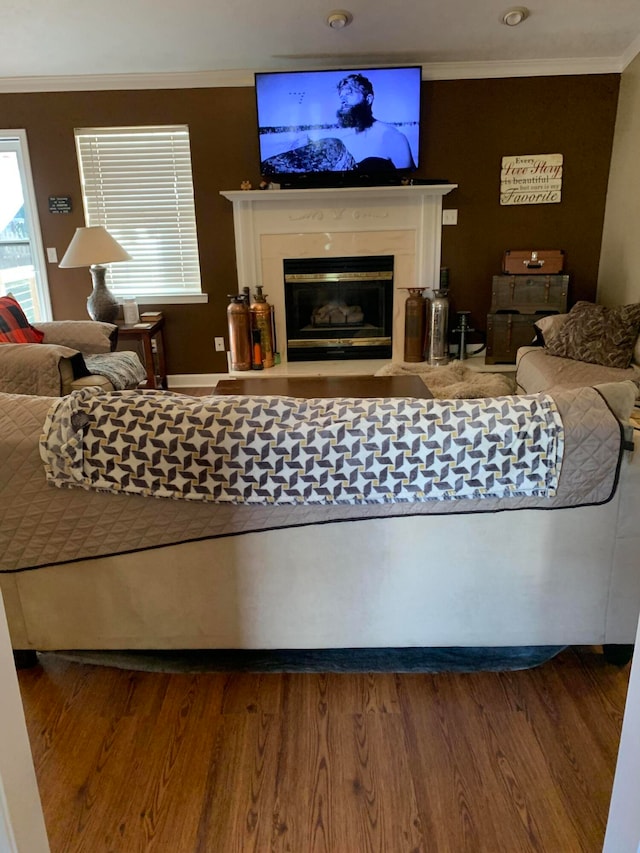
(14, 326)
(620, 397)
(537, 370)
(549, 326)
(34, 368)
(598, 335)
(87, 336)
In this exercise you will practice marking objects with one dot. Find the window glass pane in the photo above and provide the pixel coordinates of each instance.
(21, 264)
(17, 270)
(137, 183)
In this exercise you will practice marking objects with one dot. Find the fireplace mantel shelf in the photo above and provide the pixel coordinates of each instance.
(316, 193)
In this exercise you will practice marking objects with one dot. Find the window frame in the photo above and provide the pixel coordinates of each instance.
(21, 148)
(99, 201)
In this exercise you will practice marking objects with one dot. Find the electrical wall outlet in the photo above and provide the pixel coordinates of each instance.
(219, 344)
(450, 217)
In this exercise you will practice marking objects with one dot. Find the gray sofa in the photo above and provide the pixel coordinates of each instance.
(58, 366)
(87, 569)
(537, 370)
(592, 330)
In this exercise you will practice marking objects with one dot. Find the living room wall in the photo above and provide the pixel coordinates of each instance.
(468, 126)
(619, 277)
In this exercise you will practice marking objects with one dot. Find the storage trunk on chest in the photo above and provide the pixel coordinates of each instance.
(517, 301)
(529, 294)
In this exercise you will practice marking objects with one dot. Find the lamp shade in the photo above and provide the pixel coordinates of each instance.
(91, 246)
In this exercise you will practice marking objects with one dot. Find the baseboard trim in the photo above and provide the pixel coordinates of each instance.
(194, 380)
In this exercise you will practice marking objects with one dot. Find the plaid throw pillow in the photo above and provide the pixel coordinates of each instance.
(14, 326)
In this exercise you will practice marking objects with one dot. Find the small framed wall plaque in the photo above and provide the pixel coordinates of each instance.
(60, 204)
(531, 179)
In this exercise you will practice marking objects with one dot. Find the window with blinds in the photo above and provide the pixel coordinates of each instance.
(136, 182)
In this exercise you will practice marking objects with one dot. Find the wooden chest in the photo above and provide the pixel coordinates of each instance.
(525, 261)
(506, 333)
(528, 294)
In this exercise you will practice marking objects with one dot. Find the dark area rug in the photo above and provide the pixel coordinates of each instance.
(451, 659)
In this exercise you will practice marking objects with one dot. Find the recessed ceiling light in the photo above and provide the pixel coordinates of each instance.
(515, 16)
(338, 19)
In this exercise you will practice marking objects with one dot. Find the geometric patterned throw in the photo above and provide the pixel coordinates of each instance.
(284, 450)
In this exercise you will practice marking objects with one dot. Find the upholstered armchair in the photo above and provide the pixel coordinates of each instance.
(71, 355)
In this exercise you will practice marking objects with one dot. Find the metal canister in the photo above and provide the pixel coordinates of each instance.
(463, 329)
(262, 319)
(239, 320)
(439, 328)
(415, 325)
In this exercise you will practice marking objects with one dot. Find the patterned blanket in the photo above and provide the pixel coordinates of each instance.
(123, 369)
(281, 450)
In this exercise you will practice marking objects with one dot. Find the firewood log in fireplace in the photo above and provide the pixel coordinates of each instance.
(337, 313)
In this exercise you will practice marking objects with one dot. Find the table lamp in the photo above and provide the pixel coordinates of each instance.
(94, 247)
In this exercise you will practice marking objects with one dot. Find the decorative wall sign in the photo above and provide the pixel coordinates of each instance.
(59, 204)
(531, 179)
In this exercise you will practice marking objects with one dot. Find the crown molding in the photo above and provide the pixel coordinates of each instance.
(244, 77)
(630, 53)
(521, 68)
(115, 82)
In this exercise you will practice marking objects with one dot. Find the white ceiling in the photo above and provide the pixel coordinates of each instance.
(204, 41)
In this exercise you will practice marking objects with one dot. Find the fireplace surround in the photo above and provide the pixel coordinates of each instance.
(400, 222)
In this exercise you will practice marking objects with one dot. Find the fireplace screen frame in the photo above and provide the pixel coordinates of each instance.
(339, 308)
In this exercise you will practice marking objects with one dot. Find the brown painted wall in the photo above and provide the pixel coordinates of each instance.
(468, 126)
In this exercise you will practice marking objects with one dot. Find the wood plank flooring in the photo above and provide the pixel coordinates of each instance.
(339, 763)
(200, 391)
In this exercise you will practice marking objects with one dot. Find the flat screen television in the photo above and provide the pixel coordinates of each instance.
(339, 126)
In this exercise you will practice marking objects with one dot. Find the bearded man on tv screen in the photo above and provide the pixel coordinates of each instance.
(372, 143)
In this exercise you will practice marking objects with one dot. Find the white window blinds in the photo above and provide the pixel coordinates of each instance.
(136, 182)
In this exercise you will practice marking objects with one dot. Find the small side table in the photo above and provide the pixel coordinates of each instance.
(151, 337)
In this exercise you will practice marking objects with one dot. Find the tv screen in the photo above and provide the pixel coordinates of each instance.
(359, 122)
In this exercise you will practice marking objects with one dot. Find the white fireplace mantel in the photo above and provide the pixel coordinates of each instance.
(312, 195)
(403, 221)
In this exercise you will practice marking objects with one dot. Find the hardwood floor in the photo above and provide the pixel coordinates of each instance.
(200, 391)
(346, 763)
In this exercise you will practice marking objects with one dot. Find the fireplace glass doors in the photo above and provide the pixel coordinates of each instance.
(338, 308)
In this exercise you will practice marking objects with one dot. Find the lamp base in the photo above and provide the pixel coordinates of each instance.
(101, 304)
